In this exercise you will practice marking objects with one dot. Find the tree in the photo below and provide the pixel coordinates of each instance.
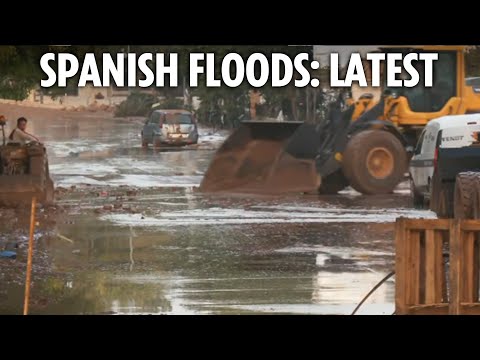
(20, 73)
(225, 106)
(20, 70)
(472, 61)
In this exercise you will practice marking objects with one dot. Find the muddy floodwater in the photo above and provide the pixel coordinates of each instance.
(131, 235)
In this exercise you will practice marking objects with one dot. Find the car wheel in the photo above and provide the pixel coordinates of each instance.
(435, 187)
(195, 139)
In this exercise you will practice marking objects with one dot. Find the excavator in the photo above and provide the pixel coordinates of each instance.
(24, 172)
(365, 144)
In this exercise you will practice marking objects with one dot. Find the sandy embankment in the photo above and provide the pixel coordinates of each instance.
(13, 111)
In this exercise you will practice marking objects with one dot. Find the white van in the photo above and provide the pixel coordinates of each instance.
(444, 149)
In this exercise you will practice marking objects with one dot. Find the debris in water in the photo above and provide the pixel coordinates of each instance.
(8, 254)
(65, 238)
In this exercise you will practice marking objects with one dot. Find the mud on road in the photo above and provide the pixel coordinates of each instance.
(130, 234)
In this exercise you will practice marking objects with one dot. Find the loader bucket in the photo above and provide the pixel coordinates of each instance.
(264, 158)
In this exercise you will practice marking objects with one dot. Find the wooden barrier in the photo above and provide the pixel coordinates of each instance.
(437, 266)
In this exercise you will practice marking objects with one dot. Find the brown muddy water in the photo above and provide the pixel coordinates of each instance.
(131, 235)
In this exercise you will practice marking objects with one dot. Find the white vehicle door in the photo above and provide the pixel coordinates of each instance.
(421, 165)
(428, 156)
(416, 161)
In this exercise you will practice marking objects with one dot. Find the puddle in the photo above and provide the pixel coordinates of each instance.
(186, 253)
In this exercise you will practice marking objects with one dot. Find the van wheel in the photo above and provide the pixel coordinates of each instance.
(435, 185)
(445, 202)
(417, 198)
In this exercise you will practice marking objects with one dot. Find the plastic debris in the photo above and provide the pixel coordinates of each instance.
(8, 254)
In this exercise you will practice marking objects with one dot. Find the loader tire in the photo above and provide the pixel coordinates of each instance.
(463, 196)
(374, 162)
(333, 183)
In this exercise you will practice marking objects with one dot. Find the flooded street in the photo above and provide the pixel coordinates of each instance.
(131, 235)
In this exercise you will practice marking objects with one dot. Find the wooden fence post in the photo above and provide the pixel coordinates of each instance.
(455, 269)
(400, 267)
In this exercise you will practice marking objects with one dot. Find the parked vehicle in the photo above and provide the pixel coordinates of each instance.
(446, 164)
(171, 127)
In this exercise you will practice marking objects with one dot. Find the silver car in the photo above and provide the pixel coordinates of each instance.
(170, 127)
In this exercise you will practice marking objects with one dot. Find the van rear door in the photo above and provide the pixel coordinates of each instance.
(459, 151)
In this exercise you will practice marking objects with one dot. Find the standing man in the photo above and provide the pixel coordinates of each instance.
(19, 135)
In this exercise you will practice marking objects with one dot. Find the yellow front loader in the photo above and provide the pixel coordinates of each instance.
(367, 145)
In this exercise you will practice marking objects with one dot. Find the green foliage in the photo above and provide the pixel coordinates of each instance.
(472, 62)
(226, 107)
(137, 104)
(20, 73)
(19, 70)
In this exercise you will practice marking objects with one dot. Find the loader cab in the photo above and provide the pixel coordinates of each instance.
(433, 99)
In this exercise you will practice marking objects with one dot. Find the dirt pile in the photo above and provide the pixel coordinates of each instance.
(260, 167)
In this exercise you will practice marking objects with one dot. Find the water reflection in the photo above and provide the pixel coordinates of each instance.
(246, 258)
(132, 235)
(97, 293)
(349, 288)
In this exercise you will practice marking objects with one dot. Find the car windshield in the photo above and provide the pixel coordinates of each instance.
(431, 99)
(178, 119)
